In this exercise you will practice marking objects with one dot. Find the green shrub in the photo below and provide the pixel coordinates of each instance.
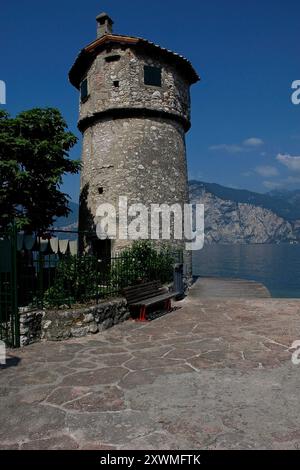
(142, 262)
(75, 281)
(83, 278)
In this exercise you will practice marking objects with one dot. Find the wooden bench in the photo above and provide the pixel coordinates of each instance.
(144, 295)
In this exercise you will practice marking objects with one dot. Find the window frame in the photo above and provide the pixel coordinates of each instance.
(84, 98)
(154, 83)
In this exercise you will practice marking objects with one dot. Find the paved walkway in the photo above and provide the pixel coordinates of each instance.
(213, 287)
(215, 374)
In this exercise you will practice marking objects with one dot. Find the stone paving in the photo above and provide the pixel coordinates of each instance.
(214, 374)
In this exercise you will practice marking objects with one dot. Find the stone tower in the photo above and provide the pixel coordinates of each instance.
(134, 113)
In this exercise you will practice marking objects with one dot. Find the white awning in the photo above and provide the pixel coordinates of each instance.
(48, 246)
(54, 245)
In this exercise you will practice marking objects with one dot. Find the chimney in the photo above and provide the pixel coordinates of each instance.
(105, 24)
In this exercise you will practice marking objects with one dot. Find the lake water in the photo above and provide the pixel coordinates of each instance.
(276, 266)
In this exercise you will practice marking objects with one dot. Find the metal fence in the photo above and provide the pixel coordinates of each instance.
(30, 278)
(9, 318)
(56, 280)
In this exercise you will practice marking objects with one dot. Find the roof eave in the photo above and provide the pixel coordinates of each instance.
(86, 56)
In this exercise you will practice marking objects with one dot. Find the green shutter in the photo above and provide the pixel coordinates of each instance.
(84, 90)
(152, 75)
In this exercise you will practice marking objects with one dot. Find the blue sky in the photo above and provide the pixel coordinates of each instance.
(245, 130)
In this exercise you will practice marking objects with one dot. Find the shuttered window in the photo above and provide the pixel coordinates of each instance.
(84, 93)
(152, 75)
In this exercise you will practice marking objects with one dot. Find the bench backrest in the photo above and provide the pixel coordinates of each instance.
(141, 291)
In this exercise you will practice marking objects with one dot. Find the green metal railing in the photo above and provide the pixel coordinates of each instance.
(9, 318)
(53, 280)
(37, 279)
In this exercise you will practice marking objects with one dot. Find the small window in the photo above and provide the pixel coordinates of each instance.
(152, 75)
(116, 84)
(113, 58)
(84, 90)
(100, 190)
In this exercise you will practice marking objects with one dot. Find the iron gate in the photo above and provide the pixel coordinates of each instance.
(9, 318)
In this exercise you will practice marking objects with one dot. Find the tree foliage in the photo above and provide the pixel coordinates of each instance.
(34, 157)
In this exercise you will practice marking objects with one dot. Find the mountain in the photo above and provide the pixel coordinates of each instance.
(68, 224)
(285, 204)
(71, 220)
(235, 215)
(240, 216)
(290, 197)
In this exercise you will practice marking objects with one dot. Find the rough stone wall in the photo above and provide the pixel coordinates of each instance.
(65, 324)
(141, 158)
(172, 97)
(30, 326)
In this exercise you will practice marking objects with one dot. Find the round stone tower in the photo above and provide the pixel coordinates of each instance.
(134, 113)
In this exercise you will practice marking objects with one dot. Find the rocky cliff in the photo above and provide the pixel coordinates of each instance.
(234, 215)
(228, 221)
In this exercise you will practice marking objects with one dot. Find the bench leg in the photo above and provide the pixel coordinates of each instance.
(143, 314)
(168, 305)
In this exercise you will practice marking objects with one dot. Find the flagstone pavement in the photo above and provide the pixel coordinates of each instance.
(214, 374)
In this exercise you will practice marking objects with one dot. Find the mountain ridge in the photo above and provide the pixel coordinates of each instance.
(235, 215)
(285, 204)
(229, 219)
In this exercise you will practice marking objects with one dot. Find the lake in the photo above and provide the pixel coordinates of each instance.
(276, 266)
